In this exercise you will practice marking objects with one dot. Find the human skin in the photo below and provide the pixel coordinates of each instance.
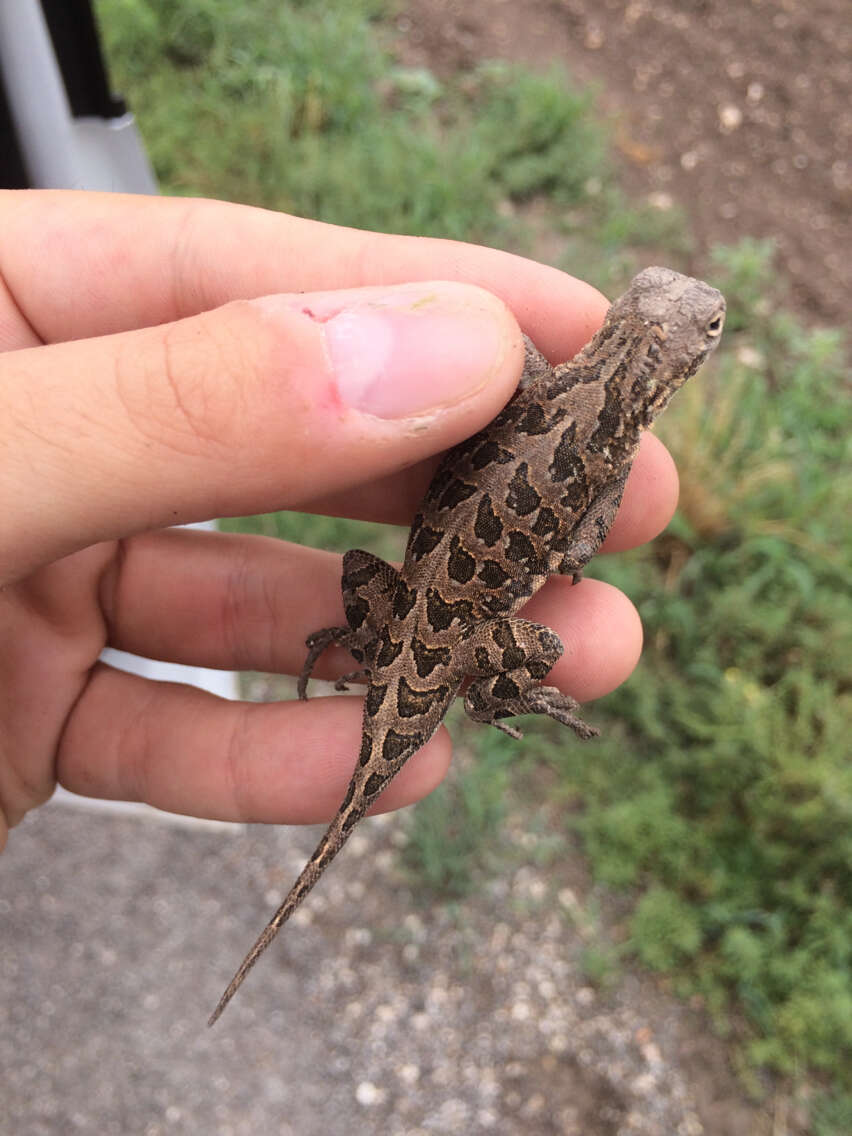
(169, 360)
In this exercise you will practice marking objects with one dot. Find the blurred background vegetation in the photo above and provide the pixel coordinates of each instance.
(719, 798)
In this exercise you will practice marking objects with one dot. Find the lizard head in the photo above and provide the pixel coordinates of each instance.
(676, 322)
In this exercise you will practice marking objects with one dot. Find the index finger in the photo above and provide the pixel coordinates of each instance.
(124, 261)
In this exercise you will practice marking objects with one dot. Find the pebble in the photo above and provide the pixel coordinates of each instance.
(368, 1094)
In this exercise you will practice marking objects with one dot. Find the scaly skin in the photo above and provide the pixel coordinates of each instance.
(531, 495)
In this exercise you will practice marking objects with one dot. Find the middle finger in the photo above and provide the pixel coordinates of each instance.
(247, 603)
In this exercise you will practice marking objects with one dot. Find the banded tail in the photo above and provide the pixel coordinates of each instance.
(335, 837)
(382, 756)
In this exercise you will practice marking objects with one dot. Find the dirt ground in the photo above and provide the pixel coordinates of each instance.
(380, 1012)
(739, 111)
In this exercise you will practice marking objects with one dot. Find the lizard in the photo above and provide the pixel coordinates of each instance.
(533, 494)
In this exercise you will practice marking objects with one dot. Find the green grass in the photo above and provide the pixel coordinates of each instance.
(720, 794)
(722, 789)
(303, 110)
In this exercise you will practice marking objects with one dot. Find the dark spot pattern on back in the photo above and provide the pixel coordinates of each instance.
(404, 599)
(608, 423)
(580, 374)
(441, 480)
(487, 527)
(375, 697)
(519, 546)
(574, 503)
(492, 574)
(567, 464)
(456, 492)
(533, 421)
(497, 603)
(412, 703)
(425, 541)
(460, 564)
(441, 613)
(521, 498)
(612, 412)
(427, 658)
(489, 453)
(546, 522)
(389, 649)
(606, 333)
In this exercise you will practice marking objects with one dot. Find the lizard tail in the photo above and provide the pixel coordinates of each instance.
(383, 753)
(335, 837)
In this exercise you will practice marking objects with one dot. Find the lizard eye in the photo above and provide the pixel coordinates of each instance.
(714, 327)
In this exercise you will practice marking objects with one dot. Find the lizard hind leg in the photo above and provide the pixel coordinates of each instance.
(367, 584)
(318, 642)
(508, 659)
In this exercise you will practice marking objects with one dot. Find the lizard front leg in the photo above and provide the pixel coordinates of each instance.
(589, 534)
(536, 366)
(367, 584)
(508, 659)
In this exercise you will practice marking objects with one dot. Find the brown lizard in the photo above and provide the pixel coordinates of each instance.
(531, 495)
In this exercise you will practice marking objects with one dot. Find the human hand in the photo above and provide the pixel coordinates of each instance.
(143, 384)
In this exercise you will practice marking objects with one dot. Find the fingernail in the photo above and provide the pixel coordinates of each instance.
(402, 351)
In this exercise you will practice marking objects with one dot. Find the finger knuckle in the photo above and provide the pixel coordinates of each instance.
(189, 393)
